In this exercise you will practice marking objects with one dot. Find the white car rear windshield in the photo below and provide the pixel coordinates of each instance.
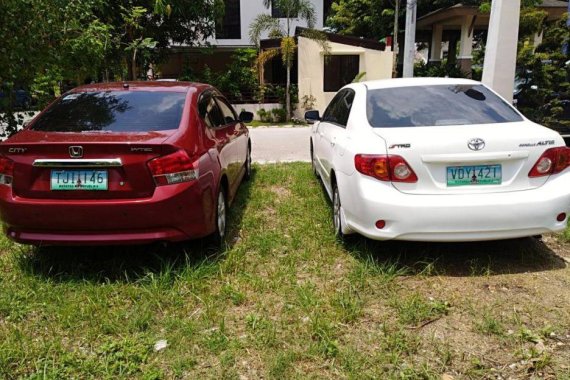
(422, 106)
(113, 111)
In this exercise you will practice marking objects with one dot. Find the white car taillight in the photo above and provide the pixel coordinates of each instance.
(385, 167)
(552, 161)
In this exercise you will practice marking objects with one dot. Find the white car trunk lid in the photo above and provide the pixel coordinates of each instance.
(498, 159)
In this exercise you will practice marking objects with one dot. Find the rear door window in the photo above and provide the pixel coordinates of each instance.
(227, 111)
(113, 111)
(213, 115)
(437, 105)
(339, 109)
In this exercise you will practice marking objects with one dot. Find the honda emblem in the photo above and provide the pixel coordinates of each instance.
(76, 151)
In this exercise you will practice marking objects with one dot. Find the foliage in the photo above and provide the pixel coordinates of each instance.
(47, 43)
(238, 80)
(440, 69)
(359, 77)
(375, 18)
(545, 74)
(308, 102)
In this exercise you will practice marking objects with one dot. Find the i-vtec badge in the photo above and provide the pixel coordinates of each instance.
(17, 150)
(139, 149)
(400, 146)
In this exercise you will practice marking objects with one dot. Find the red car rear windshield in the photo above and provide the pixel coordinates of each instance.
(113, 111)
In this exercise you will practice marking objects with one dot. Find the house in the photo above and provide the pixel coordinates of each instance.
(460, 22)
(317, 75)
(232, 32)
(320, 74)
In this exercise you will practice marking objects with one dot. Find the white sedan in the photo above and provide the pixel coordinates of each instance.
(437, 159)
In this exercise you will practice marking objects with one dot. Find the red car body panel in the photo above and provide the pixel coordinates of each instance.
(134, 209)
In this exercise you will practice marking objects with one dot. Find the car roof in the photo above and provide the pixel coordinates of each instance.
(141, 86)
(408, 82)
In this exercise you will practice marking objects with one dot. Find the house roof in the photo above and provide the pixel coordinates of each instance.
(332, 37)
(450, 15)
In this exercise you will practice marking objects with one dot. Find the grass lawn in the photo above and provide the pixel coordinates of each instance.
(286, 300)
(257, 123)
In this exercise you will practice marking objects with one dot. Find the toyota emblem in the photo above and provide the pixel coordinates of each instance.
(476, 144)
(75, 151)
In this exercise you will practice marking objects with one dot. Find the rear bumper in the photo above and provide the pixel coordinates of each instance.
(172, 213)
(469, 217)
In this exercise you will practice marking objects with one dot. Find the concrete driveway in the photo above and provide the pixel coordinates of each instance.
(271, 145)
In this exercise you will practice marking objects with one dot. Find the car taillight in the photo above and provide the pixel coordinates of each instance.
(552, 161)
(173, 168)
(6, 171)
(385, 167)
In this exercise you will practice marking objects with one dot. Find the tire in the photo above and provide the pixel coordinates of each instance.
(219, 236)
(337, 207)
(247, 175)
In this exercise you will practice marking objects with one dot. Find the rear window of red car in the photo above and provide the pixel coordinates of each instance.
(113, 111)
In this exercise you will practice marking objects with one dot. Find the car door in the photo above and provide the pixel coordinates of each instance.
(234, 134)
(321, 146)
(334, 137)
(215, 132)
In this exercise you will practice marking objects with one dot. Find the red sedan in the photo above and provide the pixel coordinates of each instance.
(125, 163)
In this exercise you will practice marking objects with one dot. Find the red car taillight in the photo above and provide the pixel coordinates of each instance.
(6, 171)
(173, 168)
(385, 167)
(552, 161)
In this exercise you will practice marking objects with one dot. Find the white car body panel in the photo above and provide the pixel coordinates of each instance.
(429, 210)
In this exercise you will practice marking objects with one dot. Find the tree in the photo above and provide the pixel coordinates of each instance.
(291, 10)
(48, 42)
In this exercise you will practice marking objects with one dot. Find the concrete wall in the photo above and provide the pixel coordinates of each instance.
(377, 65)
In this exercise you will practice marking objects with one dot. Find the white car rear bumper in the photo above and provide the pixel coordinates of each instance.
(465, 217)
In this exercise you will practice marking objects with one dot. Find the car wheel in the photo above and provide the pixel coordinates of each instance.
(337, 213)
(247, 175)
(313, 162)
(221, 217)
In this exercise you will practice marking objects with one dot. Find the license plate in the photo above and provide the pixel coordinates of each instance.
(78, 180)
(474, 175)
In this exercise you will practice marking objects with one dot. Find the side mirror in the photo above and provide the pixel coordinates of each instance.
(246, 117)
(312, 116)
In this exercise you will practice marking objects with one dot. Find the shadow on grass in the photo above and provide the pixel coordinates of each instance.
(131, 263)
(458, 259)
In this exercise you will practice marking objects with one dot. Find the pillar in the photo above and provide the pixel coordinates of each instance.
(501, 50)
(466, 45)
(435, 46)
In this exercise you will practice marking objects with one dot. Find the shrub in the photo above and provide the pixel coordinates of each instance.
(279, 115)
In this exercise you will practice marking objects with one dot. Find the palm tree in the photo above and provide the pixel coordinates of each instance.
(281, 28)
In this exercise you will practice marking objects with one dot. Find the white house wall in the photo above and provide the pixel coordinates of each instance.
(249, 9)
(377, 65)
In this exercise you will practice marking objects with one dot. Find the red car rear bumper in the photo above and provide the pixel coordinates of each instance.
(172, 213)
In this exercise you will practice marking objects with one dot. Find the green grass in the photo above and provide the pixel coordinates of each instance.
(283, 299)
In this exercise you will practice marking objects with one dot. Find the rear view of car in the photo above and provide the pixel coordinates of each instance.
(441, 160)
(118, 163)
